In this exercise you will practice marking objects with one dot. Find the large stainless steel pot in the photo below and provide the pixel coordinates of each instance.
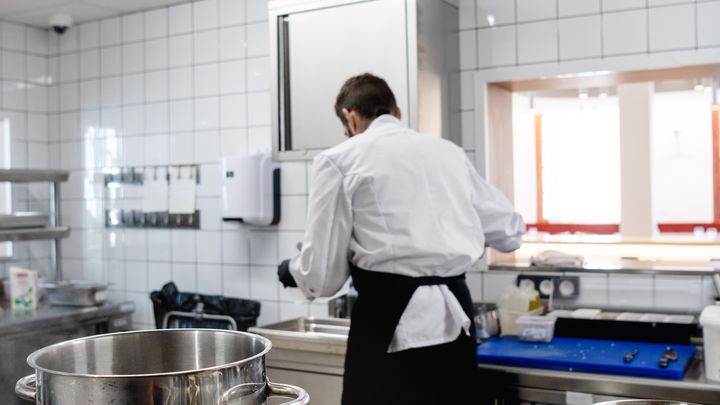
(155, 367)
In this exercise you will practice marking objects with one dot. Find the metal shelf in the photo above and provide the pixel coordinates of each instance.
(13, 235)
(33, 175)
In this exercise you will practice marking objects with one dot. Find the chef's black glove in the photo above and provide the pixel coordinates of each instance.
(284, 275)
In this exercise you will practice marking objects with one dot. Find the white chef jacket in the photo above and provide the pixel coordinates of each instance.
(396, 201)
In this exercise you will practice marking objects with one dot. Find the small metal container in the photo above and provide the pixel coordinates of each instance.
(76, 293)
(487, 323)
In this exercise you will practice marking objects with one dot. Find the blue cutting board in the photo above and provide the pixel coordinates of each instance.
(587, 356)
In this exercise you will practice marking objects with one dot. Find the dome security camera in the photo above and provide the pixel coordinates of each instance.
(60, 23)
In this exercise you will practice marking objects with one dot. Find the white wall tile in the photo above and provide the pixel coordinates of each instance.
(232, 77)
(156, 23)
(185, 276)
(90, 94)
(89, 126)
(69, 65)
(580, 37)
(69, 94)
(206, 80)
(205, 15)
(159, 248)
(681, 19)
(181, 50)
(468, 50)
(110, 90)
(209, 245)
(183, 246)
(133, 27)
(654, 3)
(578, 7)
(496, 46)
(232, 12)
(37, 40)
(70, 126)
(110, 31)
(13, 66)
(625, 32)
(37, 99)
(115, 273)
(257, 40)
(89, 64)
(181, 83)
(13, 36)
(495, 282)
(258, 71)
(629, 291)
(181, 148)
(207, 146)
(678, 293)
(209, 185)
(259, 139)
(533, 10)
(136, 244)
(270, 313)
(181, 115)
(467, 125)
(69, 41)
(89, 35)
(236, 247)
(159, 274)
(613, 5)
(133, 154)
(294, 211)
(257, 10)
(236, 281)
(180, 19)
(258, 108)
(156, 54)
(537, 42)
(156, 118)
(233, 142)
(495, 12)
(110, 61)
(207, 114)
(210, 209)
(133, 89)
(263, 248)
(466, 14)
(134, 120)
(156, 86)
(233, 111)
(133, 57)
(210, 279)
(263, 283)
(293, 178)
(156, 150)
(288, 243)
(206, 46)
(233, 43)
(708, 30)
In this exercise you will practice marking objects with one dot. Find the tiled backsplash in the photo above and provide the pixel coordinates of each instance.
(189, 84)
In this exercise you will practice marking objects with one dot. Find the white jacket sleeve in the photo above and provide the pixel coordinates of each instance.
(502, 226)
(321, 268)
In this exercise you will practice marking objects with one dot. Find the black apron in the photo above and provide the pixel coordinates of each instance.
(437, 374)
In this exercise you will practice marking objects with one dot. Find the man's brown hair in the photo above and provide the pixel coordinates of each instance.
(367, 94)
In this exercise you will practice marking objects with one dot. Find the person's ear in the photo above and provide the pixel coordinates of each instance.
(396, 112)
(351, 120)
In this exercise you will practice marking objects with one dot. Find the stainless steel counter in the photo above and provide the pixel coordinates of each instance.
(21, 333)
(318, 346)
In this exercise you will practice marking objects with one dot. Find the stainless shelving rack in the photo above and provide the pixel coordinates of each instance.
(54, 231)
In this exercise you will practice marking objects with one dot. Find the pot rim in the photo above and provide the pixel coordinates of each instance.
(32, 358)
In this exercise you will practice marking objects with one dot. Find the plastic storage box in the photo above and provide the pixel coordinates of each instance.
(536, 328)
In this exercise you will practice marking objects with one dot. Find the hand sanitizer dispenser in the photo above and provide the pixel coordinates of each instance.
(251, 189)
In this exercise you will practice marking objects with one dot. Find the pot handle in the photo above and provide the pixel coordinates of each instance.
(300, 396)
(25, 387)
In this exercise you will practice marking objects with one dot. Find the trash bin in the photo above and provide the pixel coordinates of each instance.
(175, 309)
(710, 321)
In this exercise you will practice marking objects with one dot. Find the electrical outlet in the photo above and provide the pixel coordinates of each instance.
(562, 287)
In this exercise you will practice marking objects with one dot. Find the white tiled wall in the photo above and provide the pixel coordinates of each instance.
(501, 37)
(25, 83)
(184, 84)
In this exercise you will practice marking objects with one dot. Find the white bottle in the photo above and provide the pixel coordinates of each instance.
(23, 289)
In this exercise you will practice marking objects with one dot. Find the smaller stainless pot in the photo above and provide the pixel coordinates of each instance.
(486, 320)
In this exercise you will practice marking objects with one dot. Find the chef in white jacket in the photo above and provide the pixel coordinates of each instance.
(406, 215)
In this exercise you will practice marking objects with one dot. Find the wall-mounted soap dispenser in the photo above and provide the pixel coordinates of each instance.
(251, 189)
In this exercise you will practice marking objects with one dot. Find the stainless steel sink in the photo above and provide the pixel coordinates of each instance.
(322, 334)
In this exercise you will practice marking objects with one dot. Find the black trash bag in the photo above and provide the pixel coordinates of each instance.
(244, 312)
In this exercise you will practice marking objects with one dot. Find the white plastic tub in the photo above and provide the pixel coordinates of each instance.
(710, 321)
(536, 328)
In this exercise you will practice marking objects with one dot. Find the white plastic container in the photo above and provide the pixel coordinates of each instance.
(23, 289)
(536, 328)
(710, 321)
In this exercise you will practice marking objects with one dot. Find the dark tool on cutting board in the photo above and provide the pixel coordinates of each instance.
(631, 356)
(667, 357)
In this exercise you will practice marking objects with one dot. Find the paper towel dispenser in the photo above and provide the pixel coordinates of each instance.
(251, 189)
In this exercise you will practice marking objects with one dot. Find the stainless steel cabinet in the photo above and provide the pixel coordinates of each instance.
(324, 389)
(317, 45)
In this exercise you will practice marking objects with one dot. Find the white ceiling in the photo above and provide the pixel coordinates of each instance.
(37, 12)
